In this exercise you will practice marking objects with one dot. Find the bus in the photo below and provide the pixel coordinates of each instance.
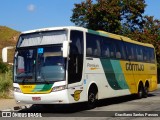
(65, 65)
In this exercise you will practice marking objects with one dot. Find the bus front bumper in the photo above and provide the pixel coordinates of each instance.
(58, 97)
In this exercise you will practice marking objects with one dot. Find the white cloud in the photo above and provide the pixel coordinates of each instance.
(31, 8)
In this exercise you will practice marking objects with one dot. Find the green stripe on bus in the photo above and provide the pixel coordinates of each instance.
(42, 87)
(97, 33)
(119, 74)
(47, 87)
(114, 74)
(109, 73)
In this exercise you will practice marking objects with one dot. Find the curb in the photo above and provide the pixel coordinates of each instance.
(16, 108)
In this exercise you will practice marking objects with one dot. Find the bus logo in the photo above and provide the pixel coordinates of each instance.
(76, 95)
(134, 67)
(93, 66)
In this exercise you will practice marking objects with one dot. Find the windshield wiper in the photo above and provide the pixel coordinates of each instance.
(24, 79)
(44, 80)
(24, 76)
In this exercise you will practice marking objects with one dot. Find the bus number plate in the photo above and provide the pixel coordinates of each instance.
(36, 98)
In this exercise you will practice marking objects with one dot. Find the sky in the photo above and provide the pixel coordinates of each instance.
(23, 15)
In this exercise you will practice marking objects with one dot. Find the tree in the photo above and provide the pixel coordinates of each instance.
(132, 14)
(104, 15)
(109, 15)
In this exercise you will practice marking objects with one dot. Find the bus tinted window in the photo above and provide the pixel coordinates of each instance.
(93, 46)
(130, 51)
(112, 48)
(139, 52)
(105, 47)
(120, 52)
(108, 49)
(151, 55)
(145, 54)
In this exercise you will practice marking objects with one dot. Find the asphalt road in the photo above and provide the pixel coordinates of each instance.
(123, 108)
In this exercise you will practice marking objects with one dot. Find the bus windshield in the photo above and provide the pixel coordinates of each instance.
(40, 64)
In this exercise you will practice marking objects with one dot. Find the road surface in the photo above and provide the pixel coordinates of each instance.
(121, 108)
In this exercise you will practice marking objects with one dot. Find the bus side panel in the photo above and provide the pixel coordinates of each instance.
(153, 77)
(137, 71)
(108, 76)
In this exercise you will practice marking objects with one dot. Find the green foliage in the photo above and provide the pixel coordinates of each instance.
(5, 84)
(3, 67)
(109, 15)
(132, 14)
(7, 34)
(104, 15)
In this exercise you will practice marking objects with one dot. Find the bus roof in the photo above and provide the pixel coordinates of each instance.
(55, 28)
(126, 39)
(99, 32)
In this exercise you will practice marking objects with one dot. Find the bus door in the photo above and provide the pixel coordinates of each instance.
(75, 62)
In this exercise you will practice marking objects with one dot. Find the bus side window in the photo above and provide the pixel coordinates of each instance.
(139, 53)
(118, 50)
(151, 55)
(89, 51)
(145, 54)
(107, 53)
(93, 45)
(122, 48)
(106, 49)
(112, 48)
(131, 51)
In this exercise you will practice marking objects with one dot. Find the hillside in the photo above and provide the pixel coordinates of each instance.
(8, 37)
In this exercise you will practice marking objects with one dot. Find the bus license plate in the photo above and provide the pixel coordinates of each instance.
(36, 98)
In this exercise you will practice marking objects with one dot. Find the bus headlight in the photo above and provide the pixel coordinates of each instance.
(16, 89)
(58, 88)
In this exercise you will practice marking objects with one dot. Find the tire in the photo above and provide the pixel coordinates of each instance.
(92, 99)
(140, 92)
(145, 92)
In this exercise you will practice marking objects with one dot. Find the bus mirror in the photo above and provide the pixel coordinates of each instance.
(65, 48)
(4, 54)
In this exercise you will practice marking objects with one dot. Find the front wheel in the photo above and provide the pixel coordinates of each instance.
(92, 99)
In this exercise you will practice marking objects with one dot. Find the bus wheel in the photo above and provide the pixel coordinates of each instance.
(140, 92)
(92, 98)
(145, 92)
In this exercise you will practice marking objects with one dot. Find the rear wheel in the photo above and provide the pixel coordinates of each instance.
(145, 92)
(140, 92)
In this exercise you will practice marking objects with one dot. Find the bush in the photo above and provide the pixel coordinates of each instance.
(3, 67)
(5, 84)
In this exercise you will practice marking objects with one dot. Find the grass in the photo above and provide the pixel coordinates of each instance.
(6, 84)
(7, 34)
(8, 37)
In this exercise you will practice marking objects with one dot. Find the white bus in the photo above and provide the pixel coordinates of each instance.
(63, 65)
